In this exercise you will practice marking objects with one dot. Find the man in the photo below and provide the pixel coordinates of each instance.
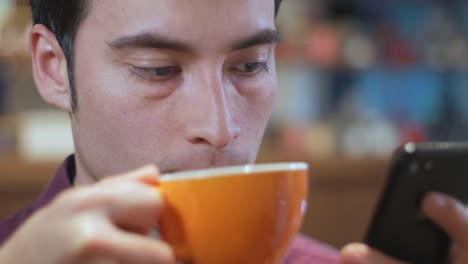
(176, 83)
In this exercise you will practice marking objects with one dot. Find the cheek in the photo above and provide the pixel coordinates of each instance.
(255, 110)
(137, 124)
(126, 138)
(114, 120)
(101, 85)
(140, 133)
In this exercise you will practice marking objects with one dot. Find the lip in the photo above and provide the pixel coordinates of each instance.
(175, 167)
(202, 158)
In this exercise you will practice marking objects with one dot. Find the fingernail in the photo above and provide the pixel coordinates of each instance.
(355, 253)
(359, 250)
(437, 199)
(149, 169)
(148, 174)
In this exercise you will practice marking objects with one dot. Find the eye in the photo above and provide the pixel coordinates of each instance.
(156, 73)
(251, 68)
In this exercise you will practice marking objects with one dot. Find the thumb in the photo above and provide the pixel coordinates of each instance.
(357, 253)
(448, 213)
(147, 174)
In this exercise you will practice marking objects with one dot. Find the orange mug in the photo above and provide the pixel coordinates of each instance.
(233, 215)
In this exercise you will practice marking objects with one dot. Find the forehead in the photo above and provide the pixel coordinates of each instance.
(204, 22)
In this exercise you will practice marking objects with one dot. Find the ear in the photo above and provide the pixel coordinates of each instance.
(50, 68)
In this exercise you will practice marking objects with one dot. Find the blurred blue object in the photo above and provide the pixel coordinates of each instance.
(402, 94)
(3, 88)
(460, 13)
(459, 96)
(409, 18)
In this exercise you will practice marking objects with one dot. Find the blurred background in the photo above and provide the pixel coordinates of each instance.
(357, 79)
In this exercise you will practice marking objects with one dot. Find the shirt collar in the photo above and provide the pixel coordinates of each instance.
(62, 180)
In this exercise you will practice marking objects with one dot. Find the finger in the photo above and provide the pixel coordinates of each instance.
(458, 255)
(98, 261)
(127, 248)
(148, 174)
(357, 253)
(450, 214)
(139, 213)
(132, 206)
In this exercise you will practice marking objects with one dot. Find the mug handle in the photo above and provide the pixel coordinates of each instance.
(172, 227)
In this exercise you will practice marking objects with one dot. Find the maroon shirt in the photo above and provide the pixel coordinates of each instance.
(303, 250)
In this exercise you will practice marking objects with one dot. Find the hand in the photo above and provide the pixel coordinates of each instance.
(103, 223)
(447, 212)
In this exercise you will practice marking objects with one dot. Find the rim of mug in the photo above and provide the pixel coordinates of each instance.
(231, 170)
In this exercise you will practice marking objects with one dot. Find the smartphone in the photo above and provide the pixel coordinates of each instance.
(398, 227)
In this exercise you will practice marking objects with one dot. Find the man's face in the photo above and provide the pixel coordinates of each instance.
(176, 83)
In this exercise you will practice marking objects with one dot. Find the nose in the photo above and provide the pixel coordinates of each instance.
(211, 121)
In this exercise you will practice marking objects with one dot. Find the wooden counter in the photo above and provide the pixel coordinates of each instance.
(342, 193)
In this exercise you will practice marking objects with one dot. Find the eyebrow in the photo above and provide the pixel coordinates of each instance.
(149, 40)
(156, 41)
(264, 37)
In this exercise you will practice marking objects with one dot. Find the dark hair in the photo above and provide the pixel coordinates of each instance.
(63, 18)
